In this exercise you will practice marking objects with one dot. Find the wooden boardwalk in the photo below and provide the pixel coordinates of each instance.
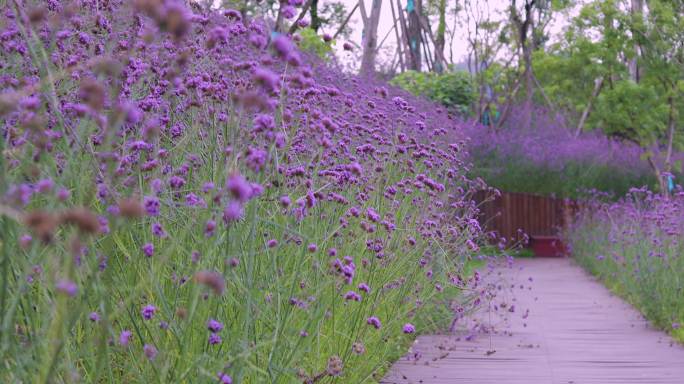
(577, 332)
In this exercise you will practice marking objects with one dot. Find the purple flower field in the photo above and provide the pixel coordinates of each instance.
(186, 197)
(635, 246)
(547, 158)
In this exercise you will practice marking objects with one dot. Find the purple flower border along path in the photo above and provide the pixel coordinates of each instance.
(577, 332)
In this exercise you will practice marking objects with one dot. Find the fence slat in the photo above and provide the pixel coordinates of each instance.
(535, 215)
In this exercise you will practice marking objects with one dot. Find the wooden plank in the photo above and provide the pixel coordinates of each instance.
(577, 332)
(535, 215)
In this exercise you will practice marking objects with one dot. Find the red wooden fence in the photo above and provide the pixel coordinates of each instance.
(511, 215)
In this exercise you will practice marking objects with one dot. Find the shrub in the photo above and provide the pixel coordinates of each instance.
(311, 42)
(451, 89)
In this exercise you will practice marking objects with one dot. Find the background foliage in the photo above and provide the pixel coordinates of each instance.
(453, 89)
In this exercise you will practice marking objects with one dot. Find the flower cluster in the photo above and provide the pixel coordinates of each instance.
(138, 135)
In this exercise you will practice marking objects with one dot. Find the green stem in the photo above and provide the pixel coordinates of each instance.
(4, 235)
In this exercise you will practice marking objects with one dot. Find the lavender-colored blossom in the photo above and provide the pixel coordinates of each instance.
(45, 185)
(351, 295)
(148, 249)
(25, 240)
(208, 186)
(283, 46)
(209, 228)
(215, 339)
(375, 322)
(238, 187)
(233, 212)
(285, 201)
(148, 311)
(124, 338)
(150, 351)
(67, 287)
(268, 79)
(158, 230)
(151, 204)
(224, 378)
(176, 182)
(214, 325)
(63, 194)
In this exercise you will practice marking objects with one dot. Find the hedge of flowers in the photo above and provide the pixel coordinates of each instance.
(545, 157)
(188, 198)
(635, 246)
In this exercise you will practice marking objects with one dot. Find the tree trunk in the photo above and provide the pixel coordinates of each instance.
(280, 20)
(529, 81)
(399, 39)
(659, 175)
(413, 8)
(672, 125)
(439, 55)
(379, 45)
(507, 107)
(637, 10)
(426, 52)
(346, 20)
(295, 24)
(370, 36)
(598, 84)
(439, 39)
(525, 26)
(315, 20)
(405, 36)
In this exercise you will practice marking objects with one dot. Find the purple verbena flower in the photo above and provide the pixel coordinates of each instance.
(214, 339)
(224, 378)
(214, 325)
(148, 311)
(148, 249)
(351, 295)
(124, 337)
(238, 187)
(374, 321)
(67, 287)
(233, 212)
(150, 351)
(151, 204)
(158, 230)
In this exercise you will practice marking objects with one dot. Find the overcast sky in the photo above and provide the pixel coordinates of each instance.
(459, 45)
